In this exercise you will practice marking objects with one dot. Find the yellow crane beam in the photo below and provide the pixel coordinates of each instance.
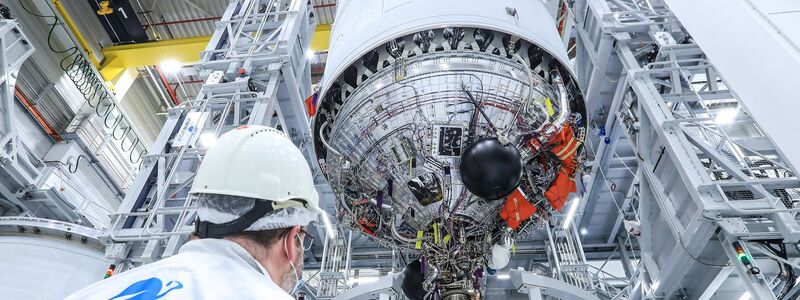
(119, 58)
(321, 38)
(71, 24)
(184, 51)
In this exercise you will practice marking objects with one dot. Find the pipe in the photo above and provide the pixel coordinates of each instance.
(169, 88)
(147, 19)
(324, 142)
(188, 82)
(183, 21)
(562, 99)
(400, 237)
(524, 105)
(386, 206)
(36, 114)
(155, 85)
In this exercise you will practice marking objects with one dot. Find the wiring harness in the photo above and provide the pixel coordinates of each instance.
(81, 72)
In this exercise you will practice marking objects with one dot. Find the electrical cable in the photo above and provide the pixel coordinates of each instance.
(81, 72)
(69, 166)
(480, 109)
(679, 240)
(785, 269)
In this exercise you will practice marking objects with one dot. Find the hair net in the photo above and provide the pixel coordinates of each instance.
(225, 208)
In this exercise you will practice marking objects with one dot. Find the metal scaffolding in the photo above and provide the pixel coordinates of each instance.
(256, 74)
(567, 259)
(335, 267)
(20, 168)
(709, 178)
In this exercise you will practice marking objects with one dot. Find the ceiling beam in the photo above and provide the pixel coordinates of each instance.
(184, 51)
(321, 38)
(119, 58)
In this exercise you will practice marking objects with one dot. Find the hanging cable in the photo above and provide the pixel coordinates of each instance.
(81, 72)
(786, 270)
(70, 167)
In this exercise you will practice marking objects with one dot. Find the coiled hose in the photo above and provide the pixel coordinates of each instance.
(81, 72)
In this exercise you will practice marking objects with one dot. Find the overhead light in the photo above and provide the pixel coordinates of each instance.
(503, 276)
(170, 66)
(571, 213)
(745, 296)
(726, 116)
(208, 139)
(310, 54)
(584, 231)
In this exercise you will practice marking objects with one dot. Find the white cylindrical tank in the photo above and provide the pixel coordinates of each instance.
(432, 113)
(46, 259)
(410, 84)
(363, 25)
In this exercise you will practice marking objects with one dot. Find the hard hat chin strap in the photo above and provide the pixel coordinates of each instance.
(206, 229)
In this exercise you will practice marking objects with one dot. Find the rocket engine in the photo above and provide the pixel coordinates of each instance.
(448, 128)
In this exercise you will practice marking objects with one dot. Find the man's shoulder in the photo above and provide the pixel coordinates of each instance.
(183, 276)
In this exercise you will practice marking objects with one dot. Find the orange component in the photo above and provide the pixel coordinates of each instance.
(534, 145)
(562, 186)
(36, 114)
(564, 146)
(516, 209)
(311, 106)
(367, 226)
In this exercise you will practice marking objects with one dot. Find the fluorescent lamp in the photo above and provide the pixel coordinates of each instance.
(584, 231)
(726, 116)
(503, 276)
(571, 213)
(170, 66)
(310, 54)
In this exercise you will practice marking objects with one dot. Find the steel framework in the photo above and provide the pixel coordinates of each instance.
(19, 168)
(257, 73)
(708, 176)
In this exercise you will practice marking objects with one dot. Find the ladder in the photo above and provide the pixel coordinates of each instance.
(708, 176)
(256, 73)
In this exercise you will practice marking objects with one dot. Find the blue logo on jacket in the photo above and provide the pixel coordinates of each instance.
(148, 289)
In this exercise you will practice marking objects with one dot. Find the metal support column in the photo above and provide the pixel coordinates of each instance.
(247, 71)
(707, 173)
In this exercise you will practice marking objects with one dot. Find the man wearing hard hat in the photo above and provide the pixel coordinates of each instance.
(255, 196)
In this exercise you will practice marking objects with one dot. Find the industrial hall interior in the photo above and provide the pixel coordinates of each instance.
(399, 149)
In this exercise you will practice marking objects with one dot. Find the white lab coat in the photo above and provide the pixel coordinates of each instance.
(204, 269)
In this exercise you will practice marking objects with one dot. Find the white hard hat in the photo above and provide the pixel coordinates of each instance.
(259, 163)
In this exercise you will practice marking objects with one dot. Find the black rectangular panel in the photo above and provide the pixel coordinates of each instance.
(120, 21)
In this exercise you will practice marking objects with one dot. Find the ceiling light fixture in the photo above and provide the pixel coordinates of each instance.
(170, 66)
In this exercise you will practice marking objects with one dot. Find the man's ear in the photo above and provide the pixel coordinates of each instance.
(292, 243)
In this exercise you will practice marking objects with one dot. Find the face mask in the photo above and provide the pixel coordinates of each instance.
(300, 281)
(297, 286)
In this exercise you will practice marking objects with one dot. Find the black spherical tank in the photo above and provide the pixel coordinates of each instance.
(491, 170)
(412, 281)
